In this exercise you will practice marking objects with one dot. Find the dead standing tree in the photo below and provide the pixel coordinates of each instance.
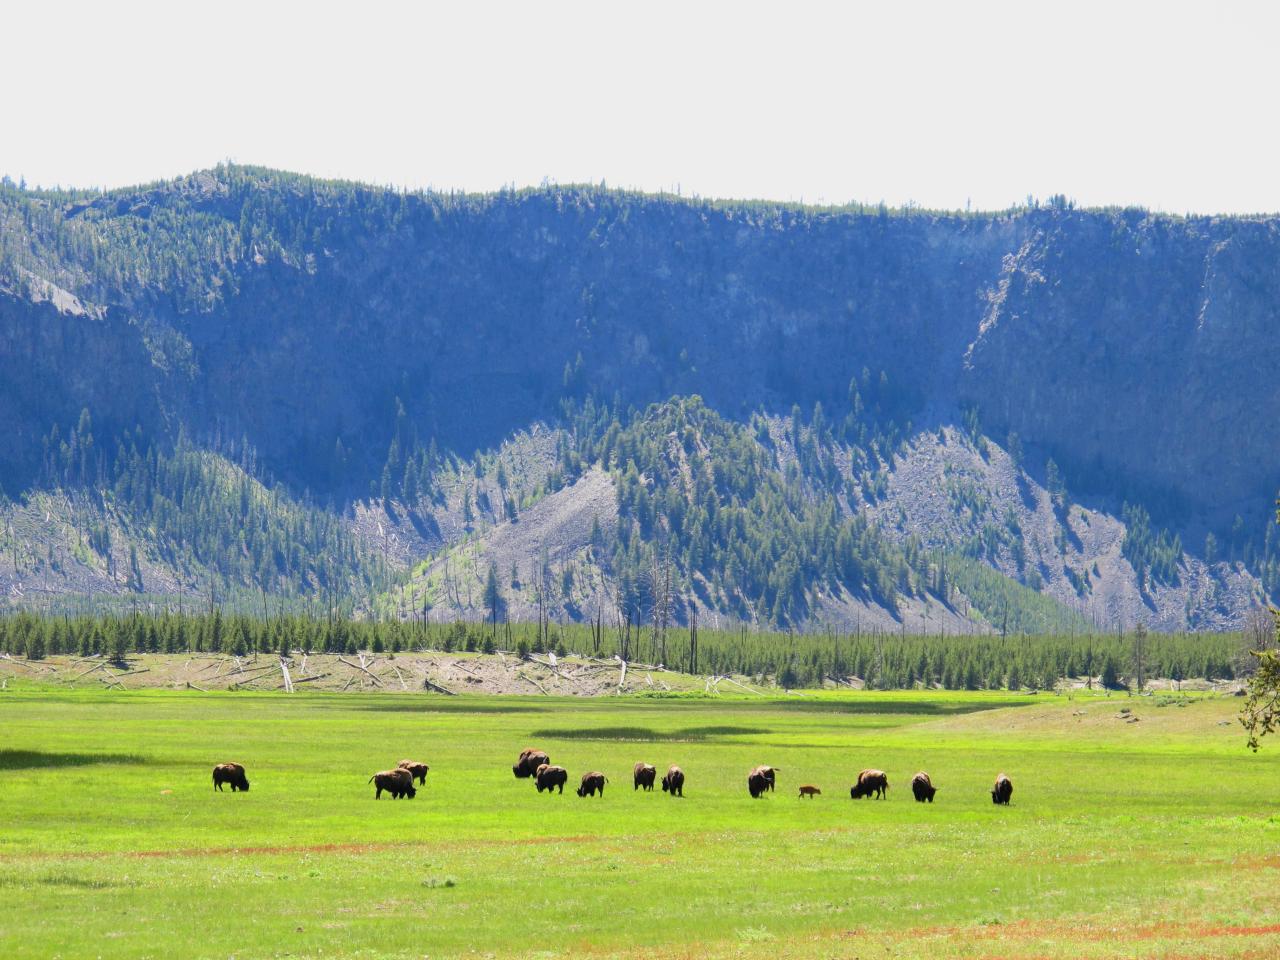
(659, 586)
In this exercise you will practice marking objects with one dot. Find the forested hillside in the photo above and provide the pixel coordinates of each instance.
(579, 403)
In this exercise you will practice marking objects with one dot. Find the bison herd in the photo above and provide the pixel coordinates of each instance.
(547, 777)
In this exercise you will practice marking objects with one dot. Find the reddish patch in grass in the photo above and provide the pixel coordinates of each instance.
(194, 853)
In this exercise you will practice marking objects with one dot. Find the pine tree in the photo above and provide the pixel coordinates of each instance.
(493, 595)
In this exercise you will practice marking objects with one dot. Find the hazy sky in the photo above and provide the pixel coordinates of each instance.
(1168, 105)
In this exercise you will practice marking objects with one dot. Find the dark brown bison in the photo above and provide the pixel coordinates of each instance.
(548, 778)
(591, 783)
(397, 782)
(761, 779)
(673, 781)
(232, 773)
(416, 770)
(923, 787)
(869, 782)
(810, 791)
(529, 762)
(1003, 789)
(644, 775)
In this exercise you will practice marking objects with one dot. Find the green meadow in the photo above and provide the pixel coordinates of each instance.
(1159, 837)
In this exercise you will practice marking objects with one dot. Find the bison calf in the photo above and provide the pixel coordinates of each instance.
(673, 782)
(416, 770)
(644, 775)
(1003, 789)
(870, 782)
(548, 778)
(397, 782)
(232, 773)
(529, 762)
(922, 787)
(592, 782)
(810, 791)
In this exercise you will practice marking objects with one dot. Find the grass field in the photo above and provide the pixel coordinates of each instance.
(1154, 838)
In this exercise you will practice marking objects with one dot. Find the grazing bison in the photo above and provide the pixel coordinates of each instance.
(548, 778)
(397, 782)
(1002, 790)
(591, 782)
(416, 770)
(529, 762)
(232, 773)
(810, 791)
(761, 779)
(869, 782)
(923, 787)
(673, 782)
(644, 775)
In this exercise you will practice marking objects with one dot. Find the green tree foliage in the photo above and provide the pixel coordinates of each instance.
(754, 537)
(210, 517)
(1154, 556)
(887, 661)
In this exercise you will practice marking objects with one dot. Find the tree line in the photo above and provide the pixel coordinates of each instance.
(880, 660)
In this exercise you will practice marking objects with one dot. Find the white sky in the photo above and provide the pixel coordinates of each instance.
(1168, 105)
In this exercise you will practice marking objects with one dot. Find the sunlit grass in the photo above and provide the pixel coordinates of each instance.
(1165, 831)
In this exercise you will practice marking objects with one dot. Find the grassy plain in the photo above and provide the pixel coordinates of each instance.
(1153, 838)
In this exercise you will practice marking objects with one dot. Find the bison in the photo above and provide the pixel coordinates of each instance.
(869, 782)
(761, 779)
(644, 775)
(232, 773)
(673, 781)
(397, 782)
(529, 762)
(810, 791)
(548, 778)
(592, 782)
(1003, 789)
(923, 787)
(416, 770)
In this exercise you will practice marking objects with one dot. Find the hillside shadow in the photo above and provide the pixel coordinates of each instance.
(35, 759)
(687, 735)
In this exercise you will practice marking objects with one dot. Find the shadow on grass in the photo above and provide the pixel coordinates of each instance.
(687, 735)
(924, 708)
(58, 880)
(32, 759)
(388, 705)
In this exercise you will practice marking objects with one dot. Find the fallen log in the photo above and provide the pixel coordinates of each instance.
(437, 688)
(356, 666)
(96, 666)
(524, 676)
(743, 686)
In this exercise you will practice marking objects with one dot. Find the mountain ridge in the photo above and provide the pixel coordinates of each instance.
(318, 324)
